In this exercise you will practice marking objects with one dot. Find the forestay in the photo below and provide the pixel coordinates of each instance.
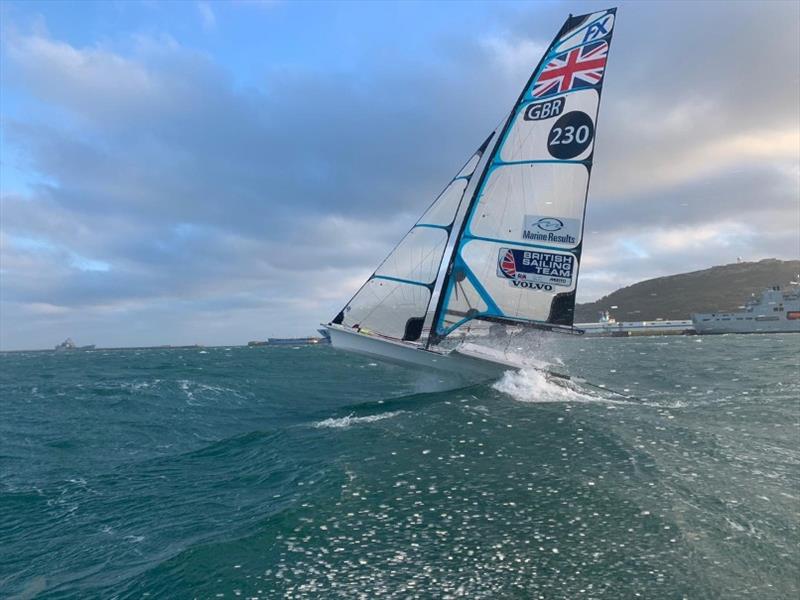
(517, 254)
(395, 299)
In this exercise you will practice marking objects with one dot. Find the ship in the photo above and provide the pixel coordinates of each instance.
(607, 326)
(775, 311)
(68, 344)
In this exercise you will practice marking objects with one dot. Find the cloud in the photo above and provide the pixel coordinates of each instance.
(91, 83)
(207, 16)
(166, 202)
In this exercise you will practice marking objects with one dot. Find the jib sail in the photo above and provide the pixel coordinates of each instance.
(396, 298)
(517, 253)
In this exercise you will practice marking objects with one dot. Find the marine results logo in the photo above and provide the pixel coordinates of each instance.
(539, 228)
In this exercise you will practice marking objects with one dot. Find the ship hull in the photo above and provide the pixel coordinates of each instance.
(722, 328)
(464, 366)
(709, 325)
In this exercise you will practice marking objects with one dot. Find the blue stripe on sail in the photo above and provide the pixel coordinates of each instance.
(432, 226)
(487, 314)
(468, 237)
(399, 280)
(531, 100)
(490, 303)
(502, 163)
(456, 325)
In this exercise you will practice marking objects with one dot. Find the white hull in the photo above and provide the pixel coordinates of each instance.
(465, 366)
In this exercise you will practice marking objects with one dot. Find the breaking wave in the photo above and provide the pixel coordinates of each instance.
(529, 385)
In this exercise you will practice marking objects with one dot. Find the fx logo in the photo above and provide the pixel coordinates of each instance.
(598, 28)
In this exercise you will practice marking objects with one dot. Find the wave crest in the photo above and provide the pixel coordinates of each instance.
(529, 385)
(342, 422)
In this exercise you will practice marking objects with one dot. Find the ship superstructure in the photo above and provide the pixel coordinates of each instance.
(68, 344)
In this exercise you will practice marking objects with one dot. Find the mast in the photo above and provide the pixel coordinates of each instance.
(452, 243)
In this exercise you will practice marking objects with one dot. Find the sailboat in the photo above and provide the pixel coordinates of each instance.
(500, 247)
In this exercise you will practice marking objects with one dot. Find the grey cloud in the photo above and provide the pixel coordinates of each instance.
(311, 141)
(757, 195)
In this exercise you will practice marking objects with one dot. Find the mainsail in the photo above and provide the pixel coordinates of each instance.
(503, 241)
(519, 249)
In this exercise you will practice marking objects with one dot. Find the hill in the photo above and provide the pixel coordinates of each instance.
(717, 289)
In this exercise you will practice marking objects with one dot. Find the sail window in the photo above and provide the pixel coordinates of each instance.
(469, 168)
(384, 307)
(416, 259)
(444, 209)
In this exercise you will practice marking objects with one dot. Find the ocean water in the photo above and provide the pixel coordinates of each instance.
(309, 473)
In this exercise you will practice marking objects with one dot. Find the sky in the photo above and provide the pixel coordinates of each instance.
(218, 172)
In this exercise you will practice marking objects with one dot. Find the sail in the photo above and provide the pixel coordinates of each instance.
(517, 253)
(396, 298)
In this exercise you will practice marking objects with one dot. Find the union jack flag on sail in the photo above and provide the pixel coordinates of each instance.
(508, 266)
(579, 68)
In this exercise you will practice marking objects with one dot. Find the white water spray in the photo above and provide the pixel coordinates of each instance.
(532, 385)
